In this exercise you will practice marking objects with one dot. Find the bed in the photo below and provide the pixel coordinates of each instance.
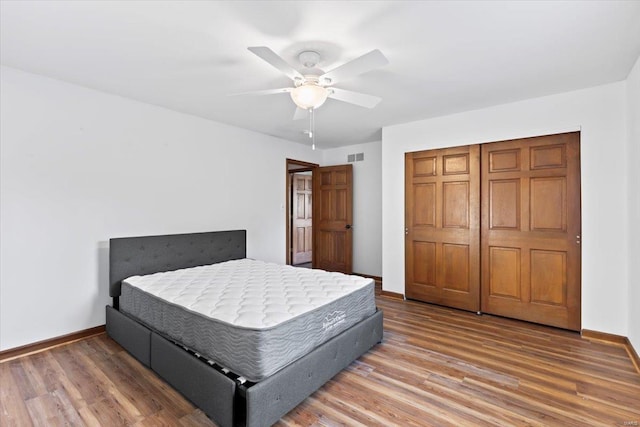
(248, 393)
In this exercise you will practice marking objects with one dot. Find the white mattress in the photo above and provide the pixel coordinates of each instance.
(249, 316)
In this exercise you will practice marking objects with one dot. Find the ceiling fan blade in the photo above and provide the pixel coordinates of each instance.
(362, 64)
(264, 92)
(357, 98)
(272, 58)
(300, 114)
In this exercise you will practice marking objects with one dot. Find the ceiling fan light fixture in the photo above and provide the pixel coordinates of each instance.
(309, 95)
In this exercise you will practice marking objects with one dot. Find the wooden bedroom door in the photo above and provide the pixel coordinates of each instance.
(531, 229)
(332, 218)
(302, 218)
(442, 226)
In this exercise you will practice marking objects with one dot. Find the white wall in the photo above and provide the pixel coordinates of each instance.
(367, 204)
(600, 114)
(633, 125)
(79, 166)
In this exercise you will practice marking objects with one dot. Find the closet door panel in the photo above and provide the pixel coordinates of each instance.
(531, 229)
(442, 224)
(504, 277)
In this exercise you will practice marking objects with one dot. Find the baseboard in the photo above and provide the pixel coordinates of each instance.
(377, 279)
(614, 339)
(633, 354)
(390, 294)
(603, 336)
(35, 347)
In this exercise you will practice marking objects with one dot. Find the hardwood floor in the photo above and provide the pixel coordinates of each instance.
(436, 366)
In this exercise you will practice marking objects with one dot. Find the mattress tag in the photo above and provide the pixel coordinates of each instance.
(333, 319)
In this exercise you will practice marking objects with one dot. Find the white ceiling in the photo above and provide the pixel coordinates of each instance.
(445, 57)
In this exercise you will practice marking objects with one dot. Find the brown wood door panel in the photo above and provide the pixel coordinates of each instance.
(302, 218)
(333, 212)
(442, 248)
(530, 229)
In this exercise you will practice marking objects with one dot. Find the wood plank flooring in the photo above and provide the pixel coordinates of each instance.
(435, 367)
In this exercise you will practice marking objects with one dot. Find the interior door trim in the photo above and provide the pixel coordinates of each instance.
(292, 166)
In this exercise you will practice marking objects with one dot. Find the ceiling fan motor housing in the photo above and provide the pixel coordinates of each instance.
(309, 58)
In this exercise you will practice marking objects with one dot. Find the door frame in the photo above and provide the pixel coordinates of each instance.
(292, 166)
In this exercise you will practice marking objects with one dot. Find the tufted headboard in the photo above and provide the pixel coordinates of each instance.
(130, 256)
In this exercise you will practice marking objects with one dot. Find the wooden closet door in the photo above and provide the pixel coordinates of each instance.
(531, 229)
(442, 220)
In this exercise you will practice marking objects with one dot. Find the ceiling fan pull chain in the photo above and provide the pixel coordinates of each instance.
(313, 128)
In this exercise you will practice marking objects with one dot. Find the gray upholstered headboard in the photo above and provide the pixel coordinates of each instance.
(130, 256)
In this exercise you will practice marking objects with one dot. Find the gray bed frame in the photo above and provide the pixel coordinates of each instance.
(226, 400)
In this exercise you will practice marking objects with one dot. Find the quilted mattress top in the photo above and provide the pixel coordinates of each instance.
(248, 293)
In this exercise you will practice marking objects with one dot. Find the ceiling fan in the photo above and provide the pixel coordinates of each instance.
(312, 86)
